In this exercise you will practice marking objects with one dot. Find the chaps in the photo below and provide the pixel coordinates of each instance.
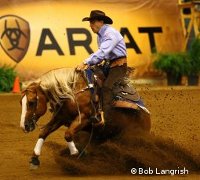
(115, 74)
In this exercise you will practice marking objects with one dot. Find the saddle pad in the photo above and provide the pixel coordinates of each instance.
(125, 104)
(142, 106)
(130, 105)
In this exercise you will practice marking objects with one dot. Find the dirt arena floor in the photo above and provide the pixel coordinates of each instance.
(174, 143)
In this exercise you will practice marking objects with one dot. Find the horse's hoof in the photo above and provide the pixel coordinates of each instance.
(75, 154)
(33, 166)
(34, 163)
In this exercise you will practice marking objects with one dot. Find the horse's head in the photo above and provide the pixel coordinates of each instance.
(34, 105)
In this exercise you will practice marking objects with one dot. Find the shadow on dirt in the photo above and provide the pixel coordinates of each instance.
(117, 156)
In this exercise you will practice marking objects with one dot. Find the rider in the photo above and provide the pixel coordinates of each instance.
(111, 49)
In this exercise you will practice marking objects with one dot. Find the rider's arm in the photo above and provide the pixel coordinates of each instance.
(109, 42)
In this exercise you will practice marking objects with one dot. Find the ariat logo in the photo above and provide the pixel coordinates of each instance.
(14, 36)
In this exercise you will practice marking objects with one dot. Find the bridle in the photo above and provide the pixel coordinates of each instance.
(33, 104)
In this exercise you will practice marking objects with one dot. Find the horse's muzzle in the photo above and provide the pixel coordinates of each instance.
(30, 126)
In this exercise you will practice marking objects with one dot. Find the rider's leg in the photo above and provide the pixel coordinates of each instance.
(114, 75)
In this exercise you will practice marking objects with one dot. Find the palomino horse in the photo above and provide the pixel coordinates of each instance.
(70, 99)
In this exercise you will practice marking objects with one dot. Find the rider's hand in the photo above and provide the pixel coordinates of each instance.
(82, 66)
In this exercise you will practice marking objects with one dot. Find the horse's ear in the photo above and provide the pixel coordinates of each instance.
(34, 85)
(23, 93)
(39, 89)
(38, 84)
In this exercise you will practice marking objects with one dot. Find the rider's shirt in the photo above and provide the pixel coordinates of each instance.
(111, 46)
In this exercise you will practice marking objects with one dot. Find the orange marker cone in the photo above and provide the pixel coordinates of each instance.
(16, 85)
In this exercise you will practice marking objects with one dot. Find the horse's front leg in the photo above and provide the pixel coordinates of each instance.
(48, 129)
(78, 124)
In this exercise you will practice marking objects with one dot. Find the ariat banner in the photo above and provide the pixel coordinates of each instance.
(39, 35)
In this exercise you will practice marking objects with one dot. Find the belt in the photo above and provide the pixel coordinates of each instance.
(118, 62)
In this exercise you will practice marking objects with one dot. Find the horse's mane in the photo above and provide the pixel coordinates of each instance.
(59, 83)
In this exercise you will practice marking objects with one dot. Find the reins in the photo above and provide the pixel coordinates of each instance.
(92, 130)
(91, 134)
(82, 90)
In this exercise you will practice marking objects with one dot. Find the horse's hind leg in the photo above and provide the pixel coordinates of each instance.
(79, 123)
(48, 129)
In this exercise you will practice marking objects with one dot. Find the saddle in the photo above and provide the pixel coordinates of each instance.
(126, 96)
(122, 90)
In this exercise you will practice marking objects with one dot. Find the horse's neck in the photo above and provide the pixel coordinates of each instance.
(81, 83)
(76, 82)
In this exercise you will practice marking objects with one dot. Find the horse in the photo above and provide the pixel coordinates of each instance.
(69, 96)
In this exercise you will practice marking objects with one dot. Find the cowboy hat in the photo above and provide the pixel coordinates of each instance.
(98, 15)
